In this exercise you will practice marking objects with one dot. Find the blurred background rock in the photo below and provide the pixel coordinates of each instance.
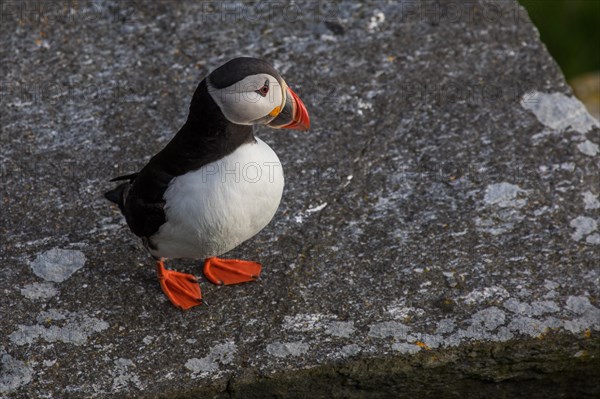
(571, 31)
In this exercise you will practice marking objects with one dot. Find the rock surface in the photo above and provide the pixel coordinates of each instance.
(439, 233)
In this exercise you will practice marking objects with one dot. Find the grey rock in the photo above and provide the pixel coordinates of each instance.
(438, 234)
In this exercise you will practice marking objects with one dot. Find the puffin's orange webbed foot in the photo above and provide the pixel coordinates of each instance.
(230, 271)
(182, 289)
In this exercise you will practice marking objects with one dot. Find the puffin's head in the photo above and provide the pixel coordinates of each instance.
(251, 92)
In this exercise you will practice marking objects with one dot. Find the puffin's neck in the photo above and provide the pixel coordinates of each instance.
(206, 136)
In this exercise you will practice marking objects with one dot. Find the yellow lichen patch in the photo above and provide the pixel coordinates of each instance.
(422, 345)
(544, 333)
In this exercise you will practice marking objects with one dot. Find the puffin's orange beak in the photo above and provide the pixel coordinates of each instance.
(294, 114)
(301, 120)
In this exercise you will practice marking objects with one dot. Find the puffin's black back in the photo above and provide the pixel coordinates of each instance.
(206, 137)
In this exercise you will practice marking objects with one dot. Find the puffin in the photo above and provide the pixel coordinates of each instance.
(214, 185)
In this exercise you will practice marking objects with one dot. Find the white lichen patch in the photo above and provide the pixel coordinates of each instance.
(580, 304)
(57, 264)
(342, 329)
(300, 216)
(489, 318)
(317, 322)
(201, 367)
(502, 204)
(221, 354)
(349, 351)
(590, 201)
(583, 226)
(504, 195)
(389, 329)
(305, 322)
(59, 326)
(316, 208)
(285, 349)
(445, 326)
(493, 227)
(559, 112)
(486, 294)
(399, 311)
(588, 319)
(37, 291)
(588, 148)
(429, 341)
(376, 21)
(536, 308)
(406, 348)
(123, 377)
(13, 373)
(515, 306)
(517, 318)
(568, 166)
(593, 239)
(539, 308)
(525, 321)
(527, 326)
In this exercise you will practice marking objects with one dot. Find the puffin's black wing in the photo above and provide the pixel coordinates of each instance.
(140, 198)
(144, 205)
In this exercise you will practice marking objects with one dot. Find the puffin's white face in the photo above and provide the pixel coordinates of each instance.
(256, 99)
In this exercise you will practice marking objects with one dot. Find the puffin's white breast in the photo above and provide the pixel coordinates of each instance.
(217, 207)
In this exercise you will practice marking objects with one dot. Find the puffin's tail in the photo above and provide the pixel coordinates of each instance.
(119, 194)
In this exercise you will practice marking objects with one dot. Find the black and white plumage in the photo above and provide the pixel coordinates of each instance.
(203, 185)
(214, 185)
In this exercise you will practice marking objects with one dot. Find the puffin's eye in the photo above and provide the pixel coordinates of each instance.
(264, 90)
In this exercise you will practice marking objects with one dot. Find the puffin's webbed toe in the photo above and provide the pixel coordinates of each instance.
(182, 289)
(230, 271)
